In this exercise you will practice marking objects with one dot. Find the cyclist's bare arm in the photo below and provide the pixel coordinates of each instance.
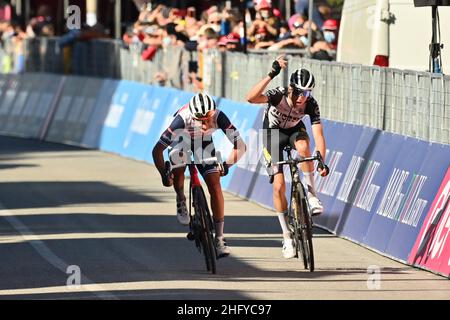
(158, 158)
(256, 94)
(237, 153)
(321, 146)
(164, 142)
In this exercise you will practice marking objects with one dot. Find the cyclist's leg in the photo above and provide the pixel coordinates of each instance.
(274, 142)
(212, 179)
(302, 143)
(178, 183)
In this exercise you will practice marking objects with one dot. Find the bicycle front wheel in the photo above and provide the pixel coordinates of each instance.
(294, 222)
(306, 234)
(206, 230)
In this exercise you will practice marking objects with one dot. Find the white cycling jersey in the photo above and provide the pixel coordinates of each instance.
(185, 123)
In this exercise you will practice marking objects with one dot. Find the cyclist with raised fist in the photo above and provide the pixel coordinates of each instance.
(283, 125)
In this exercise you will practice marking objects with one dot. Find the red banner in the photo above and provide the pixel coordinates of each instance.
(432, 247)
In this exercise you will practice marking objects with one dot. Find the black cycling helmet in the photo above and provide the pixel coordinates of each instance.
(201, 104)
(302, 79)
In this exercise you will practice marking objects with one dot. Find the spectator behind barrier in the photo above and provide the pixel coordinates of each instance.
(6, 12)
(264, 29)
(322, 50)
(42, 24)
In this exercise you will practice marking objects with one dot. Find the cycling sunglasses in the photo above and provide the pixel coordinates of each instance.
(202, 118)
(300, 93)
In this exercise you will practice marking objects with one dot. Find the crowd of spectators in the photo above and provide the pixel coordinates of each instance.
(222, 27)
(219, 25)
(12, 35)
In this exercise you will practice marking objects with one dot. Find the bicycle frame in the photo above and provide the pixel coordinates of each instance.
(302, 220)
(201, 226)
(194, 182)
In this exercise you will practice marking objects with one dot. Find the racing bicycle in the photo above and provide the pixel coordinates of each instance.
(201, 224)
(299, 214)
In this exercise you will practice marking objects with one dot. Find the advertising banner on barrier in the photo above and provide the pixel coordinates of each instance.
(11, 90)
(92, 135)
(245, 118)
(77, 103)
(401, 198)
(338, 158)
(27, 119)
(419, 196)
(155, 106)
(432, 247)
(13, 120)
(147, 105)
(120, 115)
(171, 100)
(243, 179)
(364, 181)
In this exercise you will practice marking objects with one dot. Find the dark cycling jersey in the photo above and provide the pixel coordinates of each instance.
(280, 115)
(184, 123)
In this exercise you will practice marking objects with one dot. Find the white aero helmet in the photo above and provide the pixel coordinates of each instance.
(201, 104)
(303, 80)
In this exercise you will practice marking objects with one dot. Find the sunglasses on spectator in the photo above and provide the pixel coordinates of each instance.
(216, 22)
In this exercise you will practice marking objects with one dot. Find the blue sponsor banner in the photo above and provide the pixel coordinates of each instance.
(172, 100)
(263, 192)
(424, 185)
(366, 174)
(399, 193)
(135, 142)
(120, 115)
(338, 158)
(244, 177)
(244, 117)
(104, 101)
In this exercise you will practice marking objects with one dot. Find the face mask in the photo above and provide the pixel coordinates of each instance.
(304, 40)
(265, 14)
(329, 36)
(167, 41)
(216, 28)
(149, 30)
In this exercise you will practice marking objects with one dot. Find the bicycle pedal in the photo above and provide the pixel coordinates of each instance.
(190, 236)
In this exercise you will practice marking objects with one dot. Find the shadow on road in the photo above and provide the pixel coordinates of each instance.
(22, 195)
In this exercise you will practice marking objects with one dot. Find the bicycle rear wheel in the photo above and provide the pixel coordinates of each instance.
(206, 230)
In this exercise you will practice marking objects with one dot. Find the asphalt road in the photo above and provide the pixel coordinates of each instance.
(65, 209)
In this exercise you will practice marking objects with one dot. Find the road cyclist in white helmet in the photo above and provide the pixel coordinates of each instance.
(283, 125)
(192, 129)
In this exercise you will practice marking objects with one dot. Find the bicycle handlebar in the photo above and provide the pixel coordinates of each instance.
(299, 159)
(188, 160)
